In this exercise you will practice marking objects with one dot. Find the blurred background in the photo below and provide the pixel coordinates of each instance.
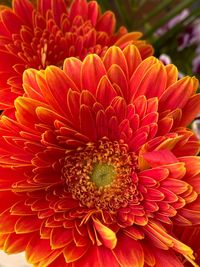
(17, 260)
(171, 26)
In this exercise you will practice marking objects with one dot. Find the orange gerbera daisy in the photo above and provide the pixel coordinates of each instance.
(97, 166)
(48, 33)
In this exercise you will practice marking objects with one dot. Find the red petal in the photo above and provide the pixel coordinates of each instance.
(93, 12)
(6, 64)
(72, 67)
(60, 237)
(79, 8)
(58, 7)
(157, 174)
(87, 123)
(157, 158)
(73, 253)
(133, 256)
(101, 256)
(23, 8)
(164, 126)
(12, 22)
(7, 222)
(108, 18)
(165, 258)
(43, 6)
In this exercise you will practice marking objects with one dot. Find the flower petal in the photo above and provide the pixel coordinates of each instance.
(177, 95)
(134, 256)
(91, 72)
(108, 237)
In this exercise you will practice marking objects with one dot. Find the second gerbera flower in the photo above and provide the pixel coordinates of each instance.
(48, 33)
(98, 166)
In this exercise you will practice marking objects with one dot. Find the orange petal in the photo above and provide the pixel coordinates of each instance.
(139, 73)
(37, 249)
(118, 77)
(48, 116)
(7, 222)
(114, 55)
(105, 92)
(108, 237)
(192, 165)
(91, 72)
(172, 74)
(53, 260)
(190, 110)
(30, 85)
(154, 82)
(72, 67)
(25, 110)
(133, 58)
(16, 243)
(128, 37)
(58, 85)
(177, 95)
(27, 224)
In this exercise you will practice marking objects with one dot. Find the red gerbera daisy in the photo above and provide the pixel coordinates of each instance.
(97, 166)
(48, 33)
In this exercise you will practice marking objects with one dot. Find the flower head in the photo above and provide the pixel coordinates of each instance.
(97, 165)
(45, 34)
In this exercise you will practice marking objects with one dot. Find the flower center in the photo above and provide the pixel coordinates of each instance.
(101, 175)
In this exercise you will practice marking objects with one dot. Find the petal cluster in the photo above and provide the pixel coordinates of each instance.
(45, 34)
(119, 118)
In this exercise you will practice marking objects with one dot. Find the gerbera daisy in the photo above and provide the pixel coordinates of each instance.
(97, 166)
(45, 34)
